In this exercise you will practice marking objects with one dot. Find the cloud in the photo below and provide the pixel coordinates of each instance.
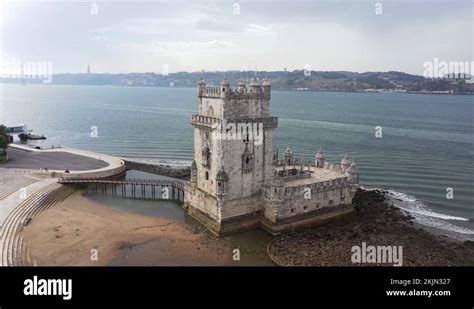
(341, 35)
(253, 28)
(177, 46)
(219, 25)
(172, 47)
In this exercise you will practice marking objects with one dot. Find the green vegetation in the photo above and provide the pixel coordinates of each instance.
(281, 80)
(4, 141)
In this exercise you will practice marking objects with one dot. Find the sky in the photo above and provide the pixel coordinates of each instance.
(121, 36)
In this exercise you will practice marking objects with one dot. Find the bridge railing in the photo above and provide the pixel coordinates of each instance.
(154, 182)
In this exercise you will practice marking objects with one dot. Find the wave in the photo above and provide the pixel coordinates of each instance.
(394, 131)
(425, 216)
(412, 205)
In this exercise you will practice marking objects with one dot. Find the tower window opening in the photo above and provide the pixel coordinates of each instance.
(207, 175)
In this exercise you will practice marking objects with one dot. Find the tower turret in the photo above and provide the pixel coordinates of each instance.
(225, 87)
(255, 86)
(352, 173)
(289, 156)
(201, 86)
(345, 163)
(277, 188)
(241, 85)
(320, 158)
(266, 88)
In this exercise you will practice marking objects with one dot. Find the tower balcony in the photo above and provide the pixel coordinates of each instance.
(205, 121)
(211, 122)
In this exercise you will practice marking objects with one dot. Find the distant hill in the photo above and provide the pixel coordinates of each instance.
(282, 80)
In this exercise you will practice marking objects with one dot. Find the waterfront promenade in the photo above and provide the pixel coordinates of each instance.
(29, 185)
(56, 161)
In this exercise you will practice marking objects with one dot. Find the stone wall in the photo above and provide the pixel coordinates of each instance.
(202, 201)
(159, 169)
(296, 202)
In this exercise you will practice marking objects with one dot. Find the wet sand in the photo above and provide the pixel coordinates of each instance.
(67, 235)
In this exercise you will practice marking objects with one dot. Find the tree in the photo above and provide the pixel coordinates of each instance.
(4, 141)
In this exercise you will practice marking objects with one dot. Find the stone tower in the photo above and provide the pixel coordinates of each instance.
(233, 154)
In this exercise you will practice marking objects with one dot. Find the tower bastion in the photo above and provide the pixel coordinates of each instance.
(239, 182)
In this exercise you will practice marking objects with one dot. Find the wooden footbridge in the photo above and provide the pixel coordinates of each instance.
(133, 188)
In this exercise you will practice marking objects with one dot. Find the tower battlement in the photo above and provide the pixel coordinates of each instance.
(255, 89)
(251, 100)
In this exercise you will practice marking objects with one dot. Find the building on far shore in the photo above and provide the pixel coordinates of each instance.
(238, 181)
(13, 132)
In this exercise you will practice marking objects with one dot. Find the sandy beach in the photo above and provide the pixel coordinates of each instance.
(67, 235)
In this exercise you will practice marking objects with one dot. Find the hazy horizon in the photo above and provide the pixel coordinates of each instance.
(146, 36)
(224, 71)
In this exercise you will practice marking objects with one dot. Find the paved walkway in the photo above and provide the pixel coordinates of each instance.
(23, 159)
(24, 189)
(80, 163)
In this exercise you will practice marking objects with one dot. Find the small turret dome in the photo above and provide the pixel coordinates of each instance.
(320, 153)
(320, 158)
(225, 82)
(345, 161)
(254, 82)
(194, 165)
(266, 82)
(201, 82)
(352, 168)
(288, 150)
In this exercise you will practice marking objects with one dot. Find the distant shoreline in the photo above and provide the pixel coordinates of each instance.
(302, 80)
(276, 89)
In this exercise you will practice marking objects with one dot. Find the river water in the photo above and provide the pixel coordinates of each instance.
(426, 145)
